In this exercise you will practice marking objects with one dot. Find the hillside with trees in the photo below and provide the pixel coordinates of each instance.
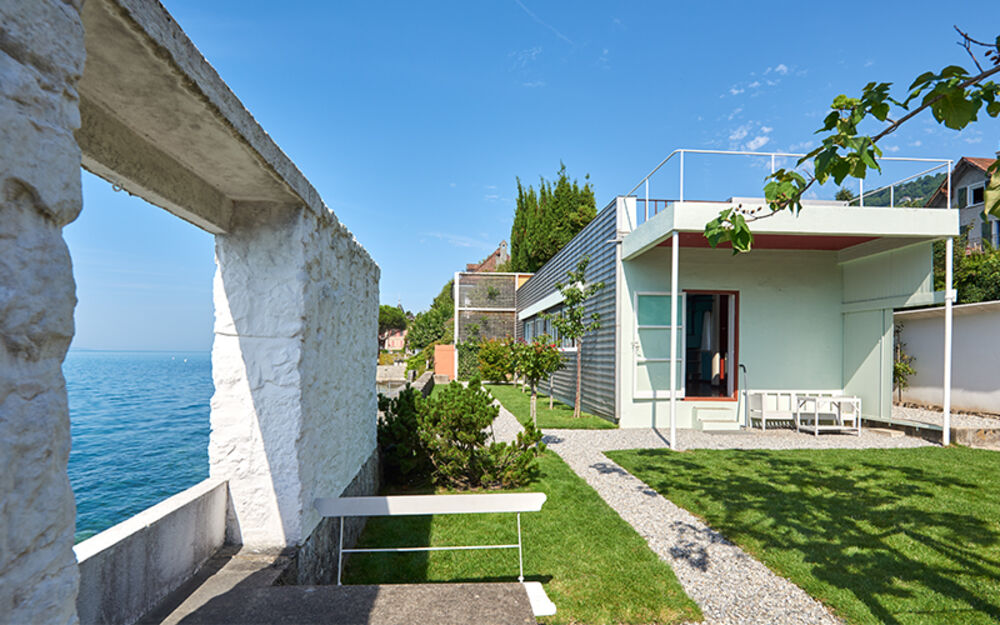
(913, 193)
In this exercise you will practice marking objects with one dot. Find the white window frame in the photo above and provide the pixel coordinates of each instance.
(968, 194)
(681, 346)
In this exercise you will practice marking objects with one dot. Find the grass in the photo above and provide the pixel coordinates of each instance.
(904, 536)
(595, 567)
(561, 415)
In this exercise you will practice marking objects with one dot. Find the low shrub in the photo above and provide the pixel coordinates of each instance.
(446, 437)
(494, 360)
(404, 457)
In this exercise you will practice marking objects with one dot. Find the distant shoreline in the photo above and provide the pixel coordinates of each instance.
(142, 351)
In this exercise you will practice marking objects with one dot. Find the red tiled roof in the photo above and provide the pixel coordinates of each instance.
(981, 163)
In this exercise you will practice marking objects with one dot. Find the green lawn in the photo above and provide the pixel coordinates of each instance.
(561, 415)
(595, 567)
(900, 536)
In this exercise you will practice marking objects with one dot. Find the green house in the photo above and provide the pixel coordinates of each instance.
(810, 309)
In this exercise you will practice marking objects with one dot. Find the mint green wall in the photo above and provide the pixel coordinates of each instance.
(897, 273)
(868, 360)
(790, 326)
(868, 333)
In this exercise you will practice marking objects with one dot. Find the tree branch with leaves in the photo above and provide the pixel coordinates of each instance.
(955, 96)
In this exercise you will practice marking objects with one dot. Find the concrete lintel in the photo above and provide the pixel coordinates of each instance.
(112, 151)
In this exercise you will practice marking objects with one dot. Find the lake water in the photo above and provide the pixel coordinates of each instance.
(140, 424)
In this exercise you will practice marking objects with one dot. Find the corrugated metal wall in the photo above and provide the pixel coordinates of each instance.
(597, 386)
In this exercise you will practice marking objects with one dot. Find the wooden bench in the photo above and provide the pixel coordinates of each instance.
(411, 505)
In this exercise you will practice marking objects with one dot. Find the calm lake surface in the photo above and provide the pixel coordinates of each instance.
(140, 423)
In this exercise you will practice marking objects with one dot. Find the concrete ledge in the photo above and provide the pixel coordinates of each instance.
(970, 437)
(127, 569)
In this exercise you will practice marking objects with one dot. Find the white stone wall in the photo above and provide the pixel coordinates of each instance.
(293, 415)
(41, 59)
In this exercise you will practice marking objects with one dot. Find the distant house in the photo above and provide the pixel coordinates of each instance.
(968, 194)
(491, 262)
(809, 309)
(395, 340)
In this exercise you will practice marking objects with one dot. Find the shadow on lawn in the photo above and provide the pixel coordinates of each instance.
(875, 528)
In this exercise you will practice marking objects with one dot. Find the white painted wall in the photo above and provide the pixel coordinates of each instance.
(40, 65)
(975, 356)
(127, 569)
(294, 411)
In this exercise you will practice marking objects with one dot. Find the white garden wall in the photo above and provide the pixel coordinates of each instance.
(975, 385)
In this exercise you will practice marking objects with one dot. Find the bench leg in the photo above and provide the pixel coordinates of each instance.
(340, 551)
(520, 555)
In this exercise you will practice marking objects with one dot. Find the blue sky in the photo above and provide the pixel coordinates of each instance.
(413, 119)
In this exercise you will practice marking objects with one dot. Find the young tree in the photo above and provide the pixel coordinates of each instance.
(955, 97)
(538, 360)
(570, 322)
(389, 318)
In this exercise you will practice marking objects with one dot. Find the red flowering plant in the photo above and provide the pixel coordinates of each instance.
(538, 360)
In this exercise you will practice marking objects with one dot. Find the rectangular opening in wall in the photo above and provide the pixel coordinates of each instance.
(138, 373)
(711, 340)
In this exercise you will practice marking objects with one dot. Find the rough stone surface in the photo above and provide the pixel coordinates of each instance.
(41, 59)
(315, 562)
(294, 410)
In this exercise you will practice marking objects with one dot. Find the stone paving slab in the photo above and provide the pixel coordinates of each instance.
(389, 604)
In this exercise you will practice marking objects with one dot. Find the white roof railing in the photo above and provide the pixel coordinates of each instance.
(680, 153)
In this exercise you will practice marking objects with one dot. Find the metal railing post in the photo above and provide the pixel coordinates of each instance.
(861, 192)
(646, 204)
(892, 196)
(682, 177)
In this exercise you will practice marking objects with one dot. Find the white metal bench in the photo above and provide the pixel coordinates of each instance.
(781, 406)
(411, 505)
(840, 413)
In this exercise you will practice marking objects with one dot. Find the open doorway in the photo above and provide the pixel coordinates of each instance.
(711, 340)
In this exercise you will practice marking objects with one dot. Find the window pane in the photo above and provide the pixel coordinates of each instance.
(654, 310)
(654, 343)
(961, 197)
(977, 195)
(655, 376)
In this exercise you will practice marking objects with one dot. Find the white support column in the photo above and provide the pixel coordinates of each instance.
(948, 301)
(674, 259)
(948, 262)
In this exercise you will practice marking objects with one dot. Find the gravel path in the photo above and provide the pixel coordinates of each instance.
(958, 420)
(505, 426)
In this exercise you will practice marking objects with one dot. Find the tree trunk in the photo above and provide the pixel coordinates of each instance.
(550, 392)
(534, 402)
(576, 406)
